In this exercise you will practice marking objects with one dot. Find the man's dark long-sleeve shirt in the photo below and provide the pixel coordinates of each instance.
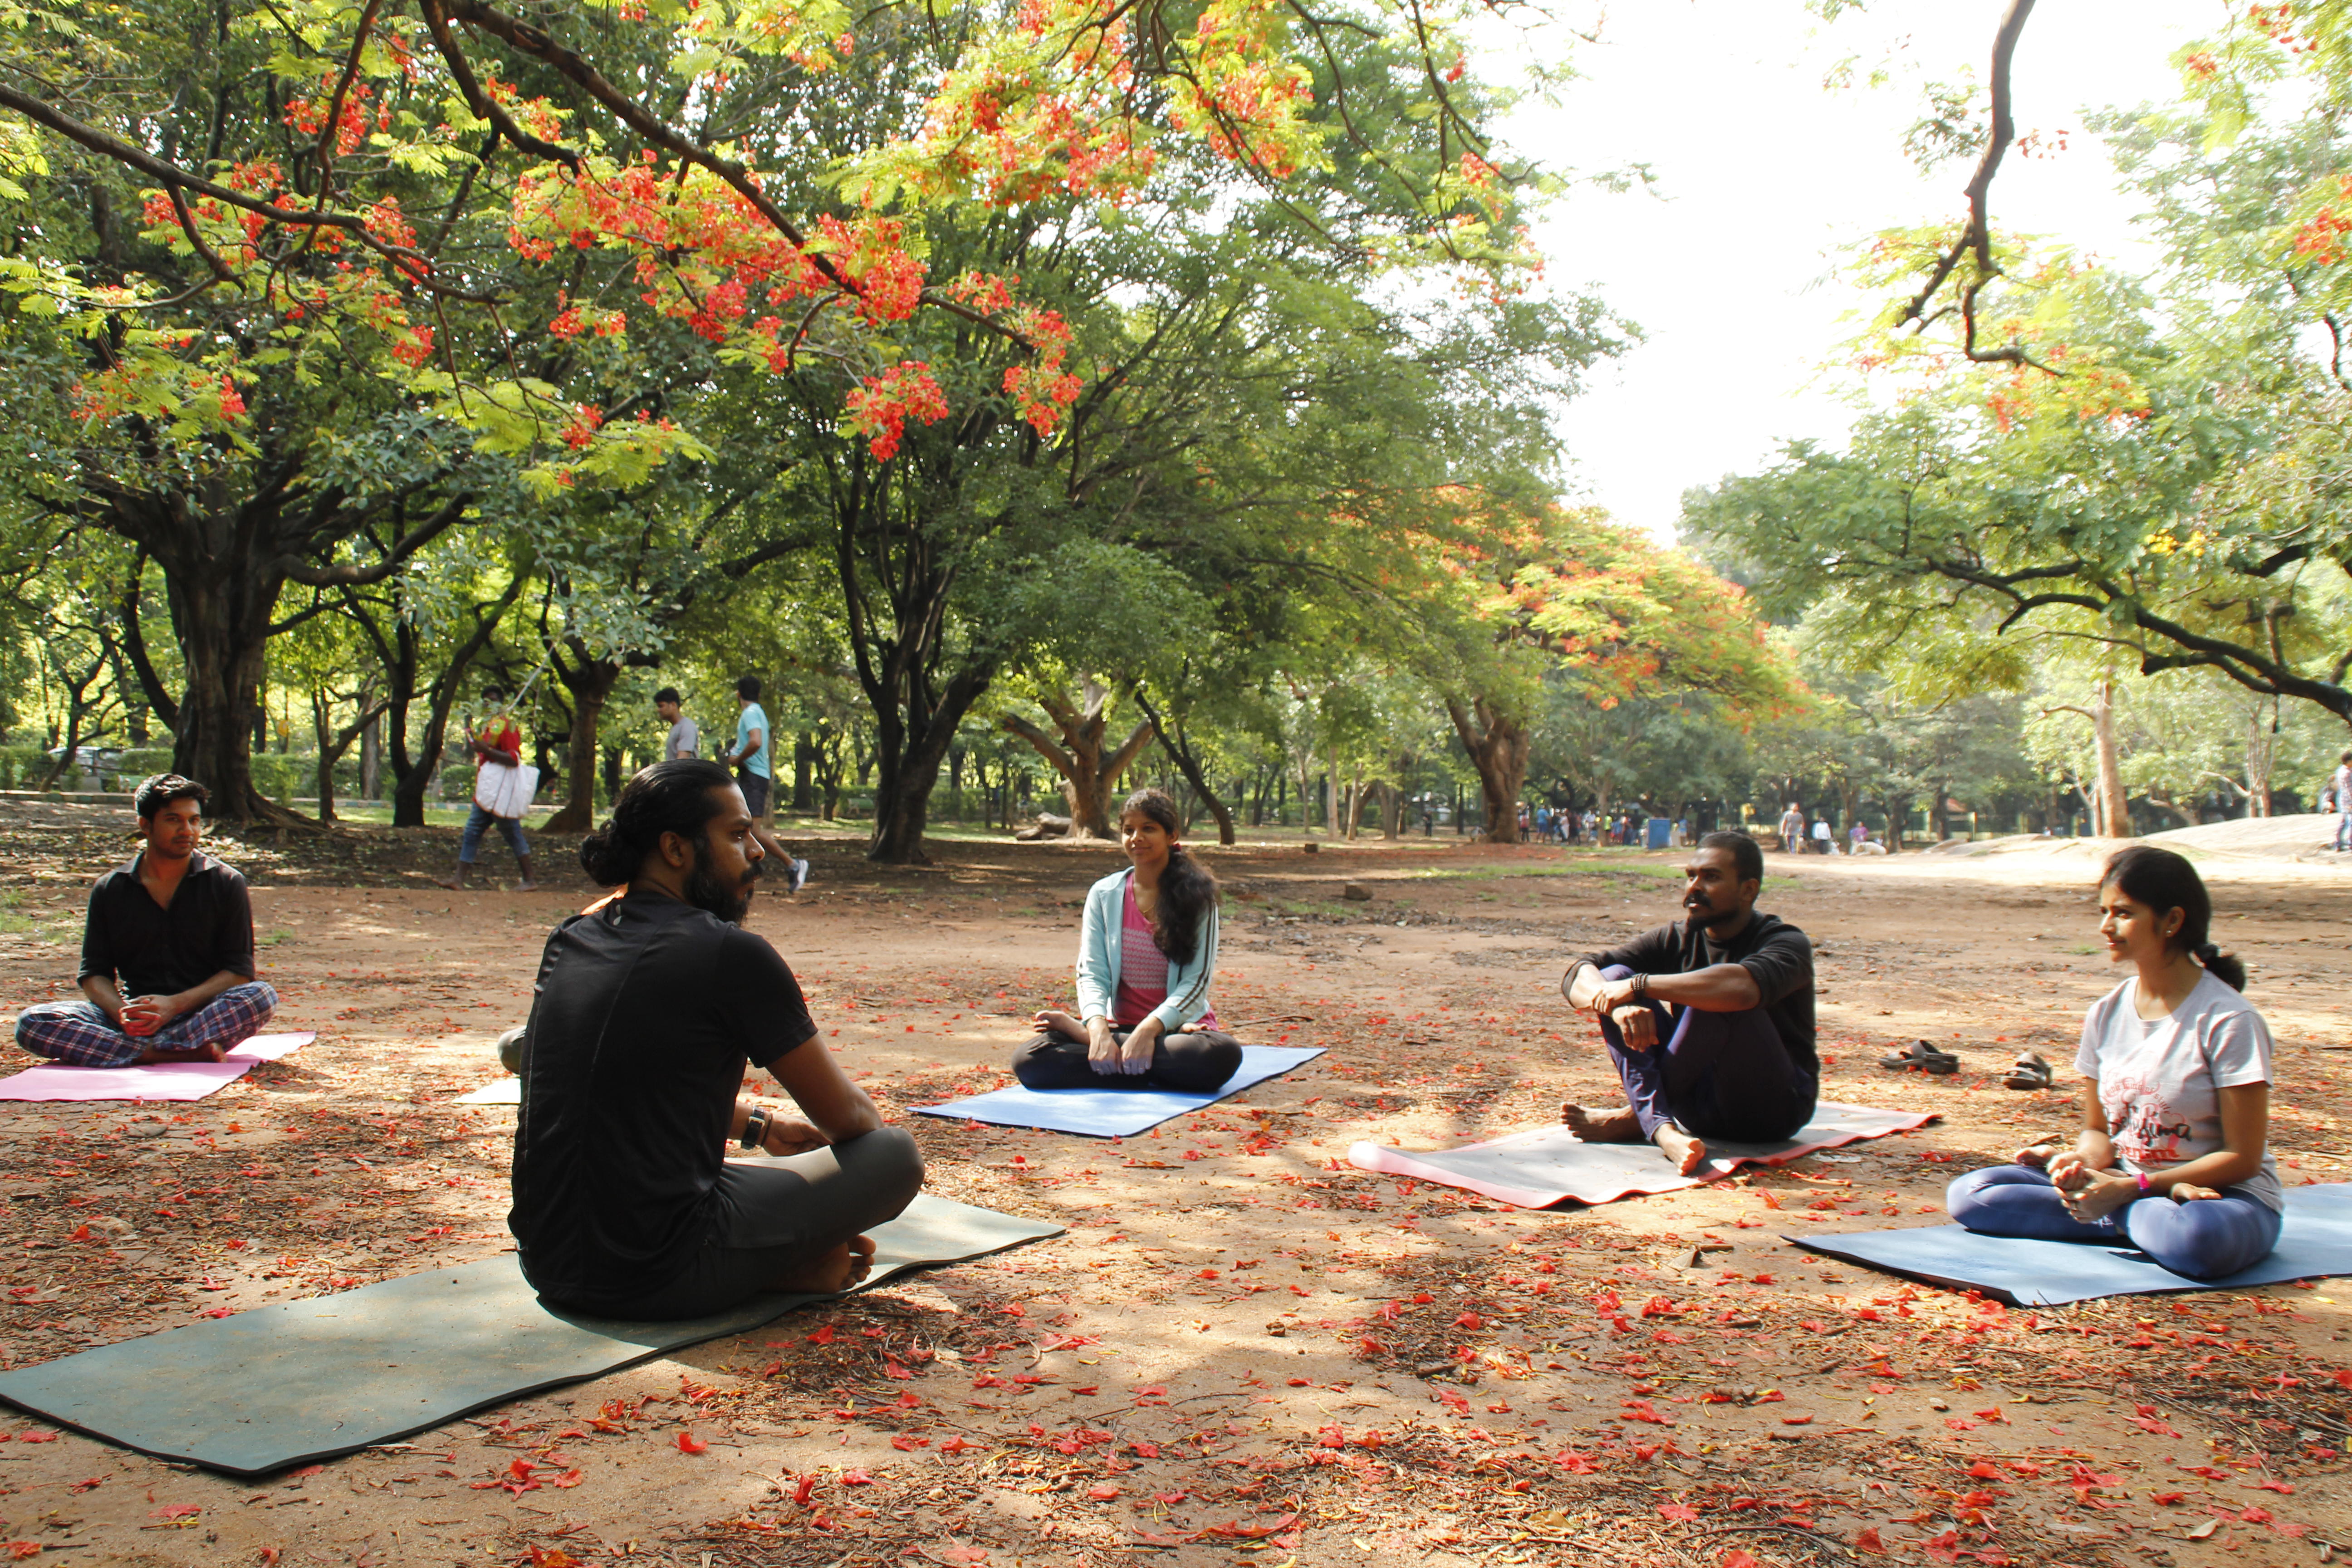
(1768, 947)
(151, 950)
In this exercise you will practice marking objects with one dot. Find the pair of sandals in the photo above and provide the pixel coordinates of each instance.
(2030, 1071)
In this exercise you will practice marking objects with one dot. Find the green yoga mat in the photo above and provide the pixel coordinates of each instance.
(308, 1380)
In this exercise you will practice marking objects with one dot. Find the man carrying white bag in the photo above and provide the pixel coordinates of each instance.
(503, 788)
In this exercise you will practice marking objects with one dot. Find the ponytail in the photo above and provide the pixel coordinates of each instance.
(2224, 967)
(673, 797)
(1187, 889)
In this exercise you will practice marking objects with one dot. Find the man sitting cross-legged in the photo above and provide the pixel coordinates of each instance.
(648, 1006)
(1735, 1058)
(166, 952)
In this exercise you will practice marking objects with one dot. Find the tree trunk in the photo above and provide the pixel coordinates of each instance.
(322, 728)
(372, 759)
(803, 751)
(2114, 806)
(400, 650)
(1089, 771)
(1498, 746)
(1180, 751)
(590, 682)
(220, 612)
(2261, 758)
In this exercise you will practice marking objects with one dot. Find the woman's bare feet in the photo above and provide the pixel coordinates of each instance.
(831, 1273)
(1618, 1126)
(210, 1051)
(1059, 1022)
(1686, 1153)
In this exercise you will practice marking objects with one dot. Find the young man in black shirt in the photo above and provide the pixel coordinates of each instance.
(1735, 1060)
(166, 952)
(647, 1008)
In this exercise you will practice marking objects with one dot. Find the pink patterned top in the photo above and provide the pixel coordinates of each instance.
(1142, 970)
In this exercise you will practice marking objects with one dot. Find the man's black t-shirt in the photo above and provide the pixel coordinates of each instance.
(154, 951)
(1768, 947)
(646, 1011)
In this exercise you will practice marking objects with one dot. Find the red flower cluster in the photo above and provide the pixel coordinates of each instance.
(879, 410)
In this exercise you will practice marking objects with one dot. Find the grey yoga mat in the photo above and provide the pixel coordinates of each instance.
(308, 1380)
(2314, 1241)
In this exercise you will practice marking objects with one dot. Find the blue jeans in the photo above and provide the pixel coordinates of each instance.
(2203, 1239)
(509, 827)
(2343, 828)
(1716, 1074)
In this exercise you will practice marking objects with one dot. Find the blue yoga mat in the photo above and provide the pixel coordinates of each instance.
(2315, 1242)
(1115, 1112)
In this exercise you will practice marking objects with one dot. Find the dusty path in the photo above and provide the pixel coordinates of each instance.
(1244, 1347)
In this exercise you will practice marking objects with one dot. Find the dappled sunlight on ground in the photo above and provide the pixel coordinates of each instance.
(1242, 1347)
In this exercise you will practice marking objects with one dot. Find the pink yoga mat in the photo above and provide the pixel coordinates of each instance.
(177, 1080)
(1546, 1165)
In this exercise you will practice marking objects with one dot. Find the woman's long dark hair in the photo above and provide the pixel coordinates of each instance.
(667, 797)
(1187, 889)
(2164, 880)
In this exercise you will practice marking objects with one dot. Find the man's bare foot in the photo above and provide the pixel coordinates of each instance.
(1618, 1126)
(210, 1051)
(832, 1273)
(455, 884)
(1686, 1153)
(525, 886)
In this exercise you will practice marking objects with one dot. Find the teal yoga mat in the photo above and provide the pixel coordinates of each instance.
(304, 1380)
(2315, 1242)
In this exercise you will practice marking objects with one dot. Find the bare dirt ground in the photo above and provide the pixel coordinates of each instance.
(1243, 1348)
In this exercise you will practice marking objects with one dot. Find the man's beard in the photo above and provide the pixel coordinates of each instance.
(706, 891)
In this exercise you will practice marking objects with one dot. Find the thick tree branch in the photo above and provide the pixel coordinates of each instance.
(349, 576)
(408, 263)
(1975, 239)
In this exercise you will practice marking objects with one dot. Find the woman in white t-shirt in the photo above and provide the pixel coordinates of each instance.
(2176, 1070)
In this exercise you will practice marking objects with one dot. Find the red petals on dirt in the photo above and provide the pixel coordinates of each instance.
(688, 1443)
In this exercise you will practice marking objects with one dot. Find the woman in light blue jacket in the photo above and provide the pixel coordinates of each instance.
(1147, 947)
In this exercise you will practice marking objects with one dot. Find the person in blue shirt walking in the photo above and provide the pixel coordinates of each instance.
(755, 775)
(748, 756)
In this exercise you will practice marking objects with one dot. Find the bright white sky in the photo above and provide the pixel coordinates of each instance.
(1765, 177)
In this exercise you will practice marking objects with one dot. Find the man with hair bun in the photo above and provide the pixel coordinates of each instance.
(1734, 1058)
(167, 971)
(647, 1008)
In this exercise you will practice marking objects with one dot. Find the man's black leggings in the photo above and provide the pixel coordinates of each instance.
(1717, 1075)
(775, 1217)
(1197, 1062)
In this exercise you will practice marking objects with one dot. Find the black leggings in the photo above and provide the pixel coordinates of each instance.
(1196, 1063)
(775, 1217)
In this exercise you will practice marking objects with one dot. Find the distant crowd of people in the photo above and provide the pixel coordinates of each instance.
(1543, 825)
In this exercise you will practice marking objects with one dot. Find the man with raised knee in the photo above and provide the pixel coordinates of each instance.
(166, 952)
(1709, 1020)
(648, 1007)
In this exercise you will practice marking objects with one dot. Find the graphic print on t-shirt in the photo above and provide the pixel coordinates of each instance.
(2146, 1130)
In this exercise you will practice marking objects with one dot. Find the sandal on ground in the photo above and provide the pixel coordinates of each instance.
(1922, 1055)
(2028, 1071)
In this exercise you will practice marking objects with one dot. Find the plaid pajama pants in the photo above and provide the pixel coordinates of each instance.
(79, 1035)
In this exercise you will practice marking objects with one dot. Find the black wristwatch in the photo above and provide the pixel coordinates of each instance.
(755, 1129)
